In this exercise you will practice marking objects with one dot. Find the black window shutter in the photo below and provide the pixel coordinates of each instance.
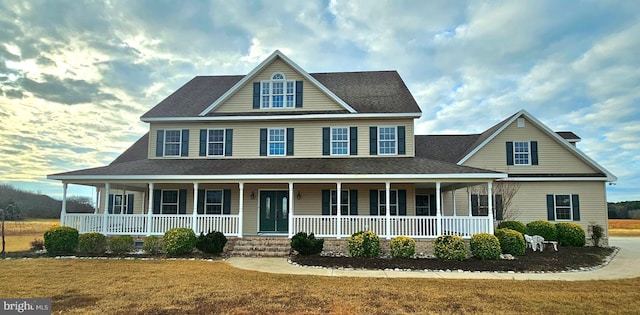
(298, 94)
(203, 142)
(326, 202)
(226, 202)
(575, 203)
(110, 205)
(228, 142)
(201, 198)
(263, 141)
(157, 199)
(551, 216)
(353, 202)
(353, 138)
(182, 202)
(432, 205)
(256, 95)
(289, 141)
(160, 143)
(402, 202)
(402, 142)
(130, 203)
(326, 141)
(185, 143)
(373, 202)
(534, 152)
(474, 205)
(373, 140)
(509, 153)
(499, 210)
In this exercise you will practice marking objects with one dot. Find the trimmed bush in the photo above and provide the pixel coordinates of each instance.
(511, 242)
(151, 245)
(121, 244)
(402, 247)
(61, 240)
(513, 225)
(178, 241)
(92, 243)
(543, 228)
(364, 244)
(485, 246)
(570, 234)
(597, 232)
(211, 243)
(306, 244)
(450, 247)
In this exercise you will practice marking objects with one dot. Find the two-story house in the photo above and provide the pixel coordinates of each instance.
(279, 151)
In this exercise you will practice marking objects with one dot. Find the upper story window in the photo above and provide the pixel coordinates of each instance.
(340, 141)
(277, 141)
(278, 92)
(387, 140)
(215, 142)
(521, 153)
(172, 142)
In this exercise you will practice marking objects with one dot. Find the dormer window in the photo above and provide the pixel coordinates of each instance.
(277, 92)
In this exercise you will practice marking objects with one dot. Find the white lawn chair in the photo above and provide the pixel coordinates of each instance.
(537, 241)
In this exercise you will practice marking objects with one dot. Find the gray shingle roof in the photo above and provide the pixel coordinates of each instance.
(568, 135)
(448, 148)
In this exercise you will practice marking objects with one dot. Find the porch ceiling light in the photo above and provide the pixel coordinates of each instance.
(299, 196)
(253, 195)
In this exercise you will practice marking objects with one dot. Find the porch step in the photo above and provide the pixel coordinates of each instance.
(258, 247)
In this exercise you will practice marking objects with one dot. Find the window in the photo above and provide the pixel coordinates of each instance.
(213, 202)
(344, 202)
(277, 141)
(172, 141)
(563, 207)
(424, 207)
(480, 206)
(382, 202)
(340, 141)
(387, 140)
(215, 142)
(120, 203)
(277, 93)
(521, 153)
(169, 203)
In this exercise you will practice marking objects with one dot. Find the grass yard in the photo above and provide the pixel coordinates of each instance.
(624, 227)
(19, 234)
(203, 287)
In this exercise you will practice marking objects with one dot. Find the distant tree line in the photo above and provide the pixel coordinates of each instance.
(19, 204)
(624, 210)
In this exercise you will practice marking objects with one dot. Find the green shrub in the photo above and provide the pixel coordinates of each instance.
(543, 228)
(364, 244)
(450, 247)
(511, 242)
(485, 246)
(61, 240)
(121, 244)
(597, 232)
(570, 234)
(178, 241)
(402, 247)
(151, 245)
(306, 244)
(211, 243)
(513, 225)
(92, 243)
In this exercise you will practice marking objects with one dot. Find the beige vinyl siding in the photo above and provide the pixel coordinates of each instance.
(553, 158)
(307, 136)
(313, 99)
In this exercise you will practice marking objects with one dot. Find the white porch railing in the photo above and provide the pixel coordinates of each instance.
(466, 226)
(83, 222)
(227, 224)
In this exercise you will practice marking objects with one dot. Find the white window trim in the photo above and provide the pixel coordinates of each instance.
(555, 208)
(124, 205)
(331, 204)
(396, 140)
(224, 142)
(380, 205)
(269, 141)
(164, 143)
(331, 141)
(284, 94)
(528, 153)
(214, 204)
(177, 203)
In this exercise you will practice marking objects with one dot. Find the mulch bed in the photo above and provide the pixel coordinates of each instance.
(566, 258)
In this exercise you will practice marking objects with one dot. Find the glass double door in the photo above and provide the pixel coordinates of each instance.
(274, 211)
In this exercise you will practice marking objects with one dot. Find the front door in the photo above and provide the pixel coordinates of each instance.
(274, 211)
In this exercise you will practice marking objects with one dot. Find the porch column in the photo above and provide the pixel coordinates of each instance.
(95, 210)
(438, 210)
(123, 209)
(194, 223)
(453, 196)
(387, 187)
(291, 227)
(490, 205)
(149, 209)
(240, 209)
(107, 186)
(63, 211)
(469, 201)
(339, 208)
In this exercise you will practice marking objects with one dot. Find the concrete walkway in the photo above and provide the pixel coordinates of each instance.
(624, 265)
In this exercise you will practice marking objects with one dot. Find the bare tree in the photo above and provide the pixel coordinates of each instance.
(506, 189)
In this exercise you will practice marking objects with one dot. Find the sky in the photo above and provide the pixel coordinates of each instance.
(75, 76)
